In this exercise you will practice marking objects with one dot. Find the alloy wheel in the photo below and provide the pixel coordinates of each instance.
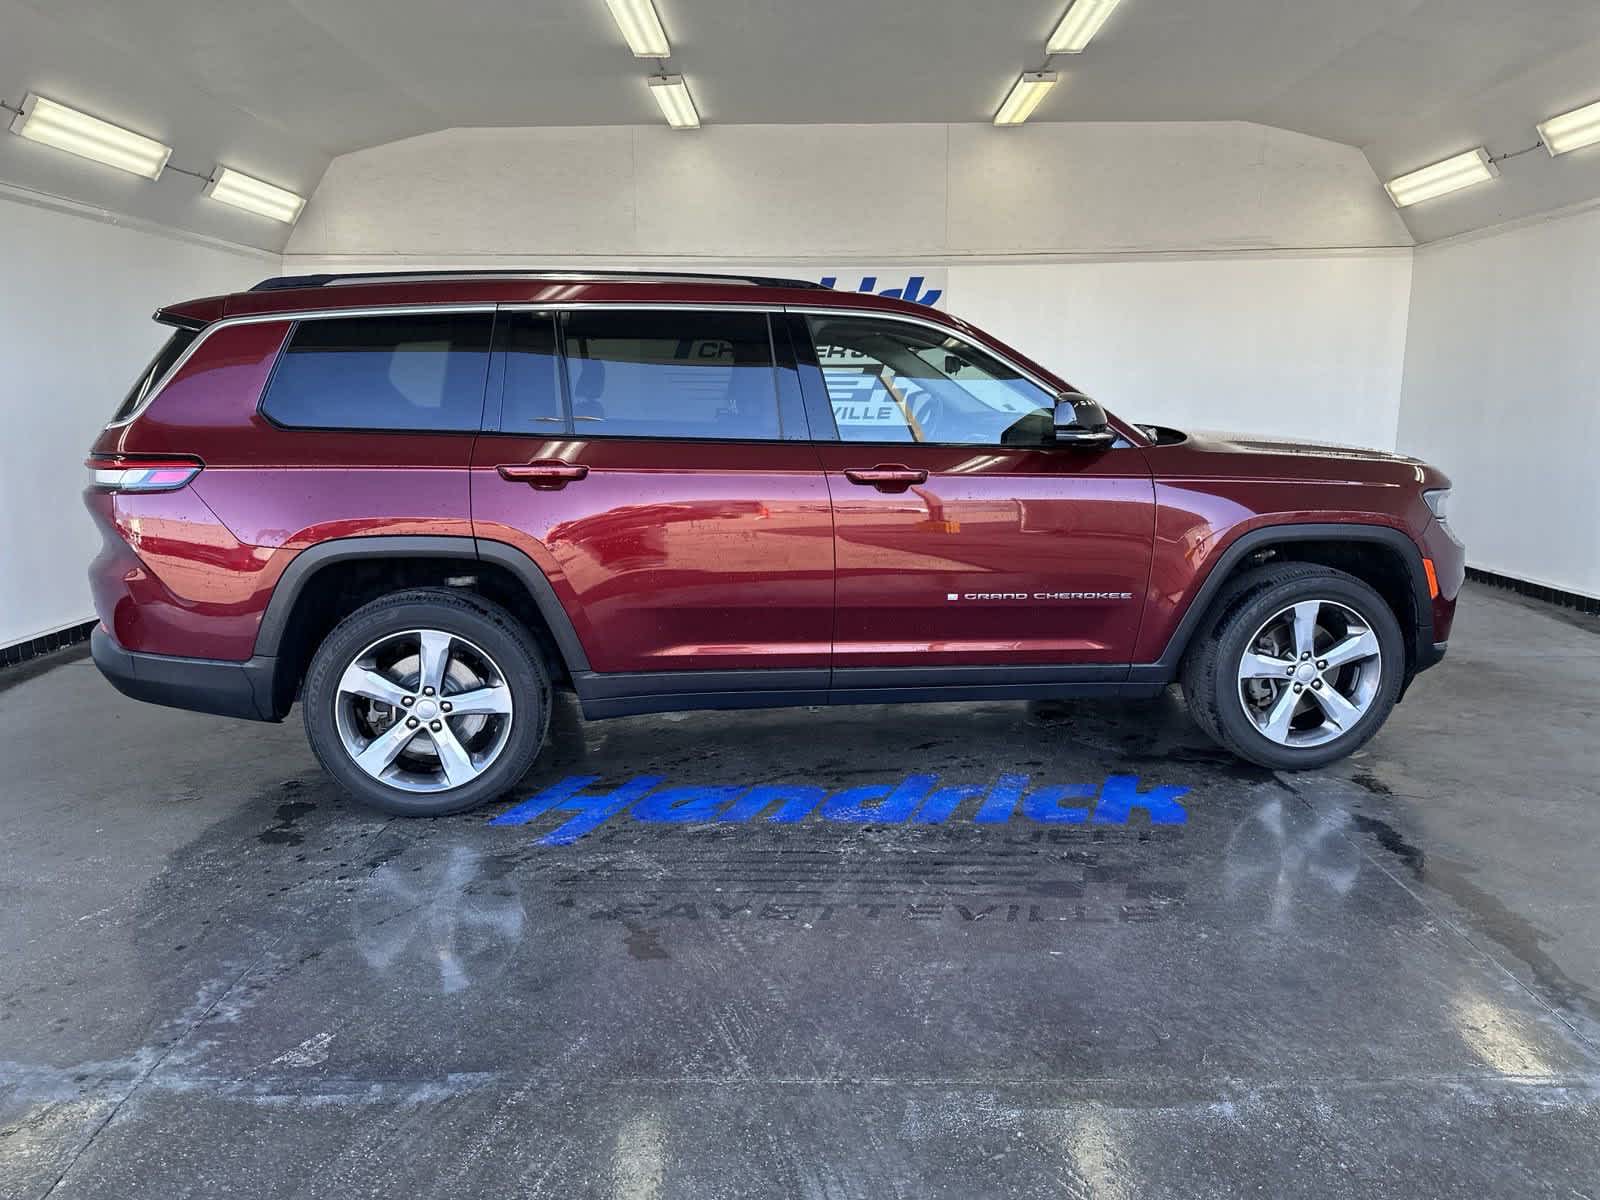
(1310, 673)
(423, 710)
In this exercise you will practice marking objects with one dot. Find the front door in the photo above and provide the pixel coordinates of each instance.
(963, 535)
(655, 464)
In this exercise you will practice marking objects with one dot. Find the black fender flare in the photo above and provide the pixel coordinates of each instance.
(275, 621)
(1166, 667)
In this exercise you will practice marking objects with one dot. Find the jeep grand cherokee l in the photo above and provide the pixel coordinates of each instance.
(416, 504)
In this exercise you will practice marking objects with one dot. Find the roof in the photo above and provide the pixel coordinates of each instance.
(304, 293)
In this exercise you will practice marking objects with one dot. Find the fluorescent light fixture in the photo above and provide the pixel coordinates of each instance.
(1442, 178)
(641, 27)
(672, 96)
(1025, 95)
(51, 124)
(1078, 27)
(255, 195)
(1571, 131)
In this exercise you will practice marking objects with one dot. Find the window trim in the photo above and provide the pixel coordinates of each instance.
(291, 318)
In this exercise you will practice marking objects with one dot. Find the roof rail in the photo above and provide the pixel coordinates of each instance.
(281, 282)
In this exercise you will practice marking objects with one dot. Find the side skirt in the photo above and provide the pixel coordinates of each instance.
(625, 695)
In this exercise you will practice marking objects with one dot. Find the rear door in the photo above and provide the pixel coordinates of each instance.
(655, 464)
(964, 535)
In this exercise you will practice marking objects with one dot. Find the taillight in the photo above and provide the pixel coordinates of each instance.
(114, 474)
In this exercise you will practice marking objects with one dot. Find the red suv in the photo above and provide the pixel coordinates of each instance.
(417, 503)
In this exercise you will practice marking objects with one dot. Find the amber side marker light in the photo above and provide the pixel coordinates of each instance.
(1433, 578)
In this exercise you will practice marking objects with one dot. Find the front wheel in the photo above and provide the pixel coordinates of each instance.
(1301, 665)
(427, 702)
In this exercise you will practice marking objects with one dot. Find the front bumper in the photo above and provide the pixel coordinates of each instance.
(1429, 654)
(224, 689)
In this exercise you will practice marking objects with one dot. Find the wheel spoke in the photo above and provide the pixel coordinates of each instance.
(1305, 627)
(458, 768)
(384, 749)
(1338, 710)
(1264, 666)
(435, 658)
(488, 700)
(1277, 726)
(1355, 648)
(361, 681)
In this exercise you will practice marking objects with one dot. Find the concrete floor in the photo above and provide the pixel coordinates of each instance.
(221, 977)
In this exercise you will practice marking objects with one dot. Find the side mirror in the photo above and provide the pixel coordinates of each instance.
(1081, 422)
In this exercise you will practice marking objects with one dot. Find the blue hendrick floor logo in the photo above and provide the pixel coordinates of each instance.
(916, 799)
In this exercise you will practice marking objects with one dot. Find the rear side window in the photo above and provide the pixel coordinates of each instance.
(671, 374)
(532, 398)
(166, 358)
(422, 372)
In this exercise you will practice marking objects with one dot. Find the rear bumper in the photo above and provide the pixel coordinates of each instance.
(225, 689)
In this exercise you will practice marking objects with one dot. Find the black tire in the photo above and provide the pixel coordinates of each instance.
(464, 615)
(1209, 675)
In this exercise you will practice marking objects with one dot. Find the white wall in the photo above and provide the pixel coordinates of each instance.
(1502, 390)
(1221, 275)
(810, 191)
(77, 330)
(1296, 345)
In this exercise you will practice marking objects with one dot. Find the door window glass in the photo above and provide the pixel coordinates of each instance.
(532, 404)
(889, 381)
(671, 374)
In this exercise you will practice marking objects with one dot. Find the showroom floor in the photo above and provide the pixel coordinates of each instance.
(1382, 979)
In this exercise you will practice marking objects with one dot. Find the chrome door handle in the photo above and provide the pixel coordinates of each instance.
(547, 474)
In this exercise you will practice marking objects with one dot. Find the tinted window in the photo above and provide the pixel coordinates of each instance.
(532, 403)
(163, 362)
(671, 374)
(889, 381)
(423, 372)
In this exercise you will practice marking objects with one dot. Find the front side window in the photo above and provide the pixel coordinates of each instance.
(889, 381)
(422, 372)
(671, 374)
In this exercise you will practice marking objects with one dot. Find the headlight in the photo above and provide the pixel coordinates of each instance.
(1438, 501)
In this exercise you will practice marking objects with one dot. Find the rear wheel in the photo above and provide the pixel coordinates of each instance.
(427, 702)
(1300, 666)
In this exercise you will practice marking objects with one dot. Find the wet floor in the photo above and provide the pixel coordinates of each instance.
(1146, 971)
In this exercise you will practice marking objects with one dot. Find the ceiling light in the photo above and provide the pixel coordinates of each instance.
(641, 27)
(672, 96)
(1078, 27)
(255, 195)
(1025, 96)
(1571, 131)
(53, 124)
(1442, 178)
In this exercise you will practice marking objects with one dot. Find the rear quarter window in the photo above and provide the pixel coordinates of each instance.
(166, 358)
(420, 372)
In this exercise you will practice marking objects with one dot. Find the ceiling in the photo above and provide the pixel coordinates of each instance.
(281, 86)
